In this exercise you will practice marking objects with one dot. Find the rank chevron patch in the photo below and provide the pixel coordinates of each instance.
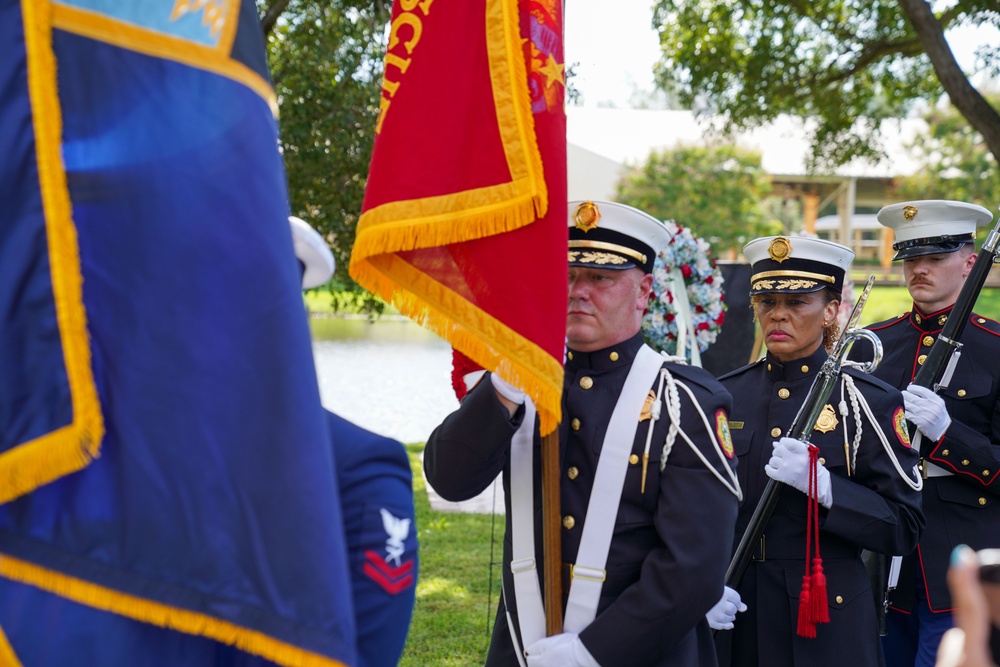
(394, 579)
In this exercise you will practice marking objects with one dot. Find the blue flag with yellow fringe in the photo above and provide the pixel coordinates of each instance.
(165, 468)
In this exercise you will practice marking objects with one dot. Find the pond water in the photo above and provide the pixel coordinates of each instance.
(392, 377)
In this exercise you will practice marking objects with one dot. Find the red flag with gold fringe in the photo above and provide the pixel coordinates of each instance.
(463, 226)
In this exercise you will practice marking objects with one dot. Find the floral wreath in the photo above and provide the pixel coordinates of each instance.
(695, 315)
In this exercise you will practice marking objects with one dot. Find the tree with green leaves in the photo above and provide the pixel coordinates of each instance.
(716, 190)
(847, 65)
(956, 163)
(326, 63)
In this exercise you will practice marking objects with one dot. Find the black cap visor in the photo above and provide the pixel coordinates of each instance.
(934, 245)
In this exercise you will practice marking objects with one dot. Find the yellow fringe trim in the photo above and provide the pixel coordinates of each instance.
(431, 226)
(70, 448)
(161, 615)
(475, 213)
(141, 40)
(483, 338)
(464, 216)
(509, 76)
(7, 656)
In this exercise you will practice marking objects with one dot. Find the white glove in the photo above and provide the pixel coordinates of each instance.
(926, 410)
(790, 464)
(564, 650)
(507, 390)
(723, 614)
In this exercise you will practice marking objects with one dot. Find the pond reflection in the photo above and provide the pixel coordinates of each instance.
(392, 377)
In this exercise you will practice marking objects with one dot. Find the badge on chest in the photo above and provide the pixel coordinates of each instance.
(827, 420)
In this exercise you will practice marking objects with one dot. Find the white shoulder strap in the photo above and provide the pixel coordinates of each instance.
(530, 612)
(589, 572)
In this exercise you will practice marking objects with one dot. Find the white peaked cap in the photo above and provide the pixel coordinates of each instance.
(932, 226)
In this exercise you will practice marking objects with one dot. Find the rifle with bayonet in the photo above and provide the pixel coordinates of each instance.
(801, 428)
(935, 374)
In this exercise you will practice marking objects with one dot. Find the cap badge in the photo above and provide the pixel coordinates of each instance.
(586, 216)
(909, 212)
(780, 249)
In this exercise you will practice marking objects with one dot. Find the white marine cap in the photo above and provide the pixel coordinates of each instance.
(312, 252)
(796, 264)
(607, 235)
(932, 226)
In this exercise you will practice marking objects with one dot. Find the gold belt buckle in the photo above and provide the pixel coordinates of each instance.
(922, 466)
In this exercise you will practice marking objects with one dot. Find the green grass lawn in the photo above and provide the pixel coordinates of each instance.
(452, 618)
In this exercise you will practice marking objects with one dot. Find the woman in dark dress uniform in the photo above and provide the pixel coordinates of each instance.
(866, 481)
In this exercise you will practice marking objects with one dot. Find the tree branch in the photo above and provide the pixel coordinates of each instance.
(981, 116)
(272, 14)
(872, 53)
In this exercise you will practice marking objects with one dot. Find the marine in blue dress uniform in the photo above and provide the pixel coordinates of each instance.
(673, 529)
(866, 472)
(376, 497)
(961, 454)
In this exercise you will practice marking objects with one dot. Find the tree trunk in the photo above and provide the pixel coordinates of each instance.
(981, 116)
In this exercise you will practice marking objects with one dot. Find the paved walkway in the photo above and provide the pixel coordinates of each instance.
(489, 501)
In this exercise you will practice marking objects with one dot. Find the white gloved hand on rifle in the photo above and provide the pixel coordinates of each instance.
(723, 615)
(790, 464)
(926, 410)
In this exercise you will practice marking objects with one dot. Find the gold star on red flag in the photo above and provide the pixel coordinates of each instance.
(553, 72)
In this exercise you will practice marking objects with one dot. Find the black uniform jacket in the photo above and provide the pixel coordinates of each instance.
(963, 508)
(671, 544)
(873, 508)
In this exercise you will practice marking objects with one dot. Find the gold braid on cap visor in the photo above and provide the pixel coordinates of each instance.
(793, 274)
(795, 280)
(610, 247)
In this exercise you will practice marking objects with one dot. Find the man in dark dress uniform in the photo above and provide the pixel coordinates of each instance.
(646, 545)
(866, 474)
(959, 429)
(376, 497)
